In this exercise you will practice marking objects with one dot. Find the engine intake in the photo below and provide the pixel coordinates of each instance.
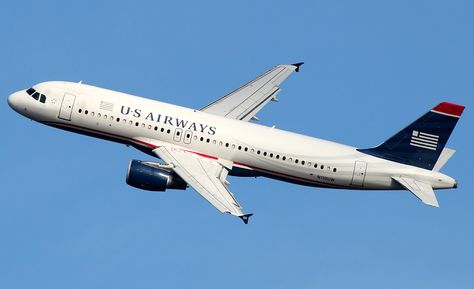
(149, 176)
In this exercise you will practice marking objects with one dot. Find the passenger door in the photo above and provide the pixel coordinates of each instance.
(358, 176)
(67, 105)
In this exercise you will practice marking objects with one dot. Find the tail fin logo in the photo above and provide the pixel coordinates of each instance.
(424, 140)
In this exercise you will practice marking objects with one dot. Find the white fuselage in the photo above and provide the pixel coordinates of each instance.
(253, 149)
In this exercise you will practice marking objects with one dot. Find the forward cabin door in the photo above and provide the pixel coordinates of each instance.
(66, 106)
(358, 176)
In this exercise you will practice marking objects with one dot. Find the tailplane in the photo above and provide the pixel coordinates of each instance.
(422, 191)
(420, 144)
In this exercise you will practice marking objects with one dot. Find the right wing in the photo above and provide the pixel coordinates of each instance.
(244, 102)
(207, 177)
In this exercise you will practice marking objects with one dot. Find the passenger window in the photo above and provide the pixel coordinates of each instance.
(283, 158)
(168, 131)
(118, 119)
(86, 112)
(130, 122)
(239, 148)
(264, 154)
(296, 161)
(258, 152)
(226, 144)
(143, 125)
(277, 157)
(149, 126)
(246, 149)
(99, 115)
(322, 166)
(302, 162)
(92, 113)
(156, 128)
(271, 155)
(208, 140)
(136, 124)
(162, 129)
(201, 138)
(80, 110)
(334, 170)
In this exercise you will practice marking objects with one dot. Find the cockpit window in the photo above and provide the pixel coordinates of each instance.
(36, 95)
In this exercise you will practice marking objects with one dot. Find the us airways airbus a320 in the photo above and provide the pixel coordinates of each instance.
(201, 147)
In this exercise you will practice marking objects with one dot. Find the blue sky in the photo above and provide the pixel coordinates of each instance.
(68, 220)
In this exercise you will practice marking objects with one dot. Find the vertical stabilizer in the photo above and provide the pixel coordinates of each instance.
(420, 144)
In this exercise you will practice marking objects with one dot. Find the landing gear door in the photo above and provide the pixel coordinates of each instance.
(358, 177)
(67, 105)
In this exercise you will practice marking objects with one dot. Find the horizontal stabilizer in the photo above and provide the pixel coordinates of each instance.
(444, 157)
(422, 191)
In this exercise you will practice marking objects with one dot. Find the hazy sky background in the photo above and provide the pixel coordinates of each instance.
(68, 220)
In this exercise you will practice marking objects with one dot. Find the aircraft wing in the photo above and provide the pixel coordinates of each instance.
(206, 176)
(244, 102)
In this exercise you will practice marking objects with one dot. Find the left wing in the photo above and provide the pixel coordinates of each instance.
(207, 177)
(244, 102)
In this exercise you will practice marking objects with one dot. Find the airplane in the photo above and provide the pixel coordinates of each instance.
(200, 148)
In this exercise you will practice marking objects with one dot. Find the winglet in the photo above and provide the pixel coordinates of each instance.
(298, 66)
(245, 218)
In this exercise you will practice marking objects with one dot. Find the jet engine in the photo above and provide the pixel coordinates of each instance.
(152, 176)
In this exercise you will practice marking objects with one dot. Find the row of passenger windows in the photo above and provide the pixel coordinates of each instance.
(208, 140)
(36, 95)
(266, 154)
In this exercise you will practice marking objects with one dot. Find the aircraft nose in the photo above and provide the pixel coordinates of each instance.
(14, 100)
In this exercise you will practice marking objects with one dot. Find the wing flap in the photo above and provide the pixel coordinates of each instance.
(421, 190)
(207, 177)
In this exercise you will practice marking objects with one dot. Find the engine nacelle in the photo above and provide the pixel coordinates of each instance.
(149, 176)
